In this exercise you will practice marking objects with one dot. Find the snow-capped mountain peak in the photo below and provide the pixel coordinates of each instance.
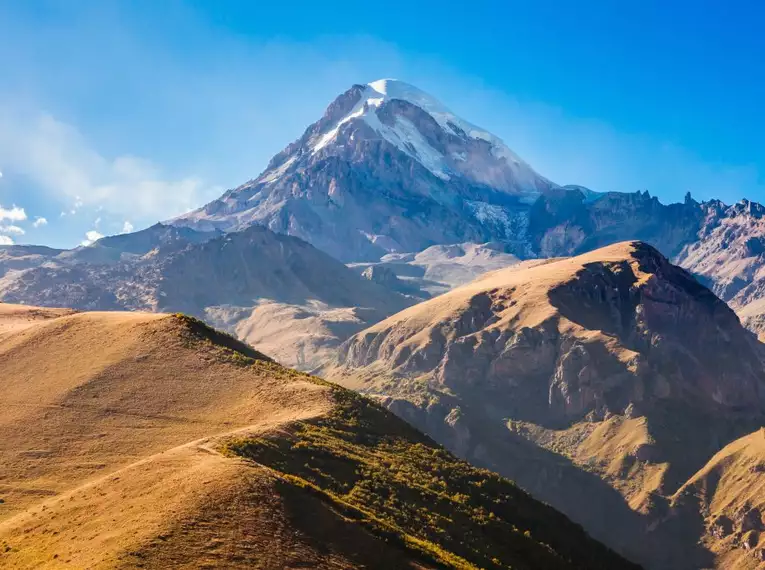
(387, 168)
(404, 133)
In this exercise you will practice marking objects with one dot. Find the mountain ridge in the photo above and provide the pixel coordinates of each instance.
(605, 379)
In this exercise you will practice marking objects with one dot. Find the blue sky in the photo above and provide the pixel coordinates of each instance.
(119, 114)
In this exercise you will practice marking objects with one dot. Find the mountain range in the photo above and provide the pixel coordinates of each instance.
(603, 383)
(590, 346)
(390, 171)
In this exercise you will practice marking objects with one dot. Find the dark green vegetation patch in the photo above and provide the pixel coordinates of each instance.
(378, 471)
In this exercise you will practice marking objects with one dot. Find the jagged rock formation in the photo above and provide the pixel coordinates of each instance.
(723, 246)
(619, 373)
(729, 256)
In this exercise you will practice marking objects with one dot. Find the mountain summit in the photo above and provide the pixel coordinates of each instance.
(388, 168)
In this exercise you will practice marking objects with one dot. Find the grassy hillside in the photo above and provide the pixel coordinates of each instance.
(131, 440)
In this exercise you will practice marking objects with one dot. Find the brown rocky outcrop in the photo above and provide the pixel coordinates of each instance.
(595, 333)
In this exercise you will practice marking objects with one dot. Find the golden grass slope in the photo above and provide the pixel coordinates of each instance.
(14, 318)
(126, 441)
(729, 492)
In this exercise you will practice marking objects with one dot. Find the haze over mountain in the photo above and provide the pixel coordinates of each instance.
(134, 440)
(601, 383)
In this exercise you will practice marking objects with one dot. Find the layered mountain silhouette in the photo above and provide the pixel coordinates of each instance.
(601, 383)
(134, 440)
(275, 291)
(599, 363)
(386, 173)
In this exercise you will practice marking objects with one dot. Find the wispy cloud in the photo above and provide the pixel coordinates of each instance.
(91, 237)
(14, 230)
(59, 161)
(13, 214)
(39, 222)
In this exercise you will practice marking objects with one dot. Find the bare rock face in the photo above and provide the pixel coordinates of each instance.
(566, 221)
(21, 257)
(729, 256)
(382, 275)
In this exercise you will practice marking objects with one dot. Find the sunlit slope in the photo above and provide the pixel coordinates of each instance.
(136, 440)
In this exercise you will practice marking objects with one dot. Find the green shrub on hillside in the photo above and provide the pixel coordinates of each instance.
(377, 470)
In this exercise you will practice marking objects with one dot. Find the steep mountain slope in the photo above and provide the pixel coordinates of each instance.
(568, 221)
(614, 375)
(235, 281)
(140, 440)
(730, 257)
(387, 168)
(20, 257)
(721, 245)
(729, 492)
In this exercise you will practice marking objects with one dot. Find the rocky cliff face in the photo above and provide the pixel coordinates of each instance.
(729, 255)
(723, 246)
(613, 375)
(568, 221)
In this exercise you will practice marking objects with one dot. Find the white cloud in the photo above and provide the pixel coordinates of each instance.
(40, 221)
(59, 160)
(91, 237)
(16, 230)
(5, 240)
(15, 214)
(127, 227)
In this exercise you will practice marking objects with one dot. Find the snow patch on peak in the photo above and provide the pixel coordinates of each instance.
(510, 172)
(395, 89)
(403, 134)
